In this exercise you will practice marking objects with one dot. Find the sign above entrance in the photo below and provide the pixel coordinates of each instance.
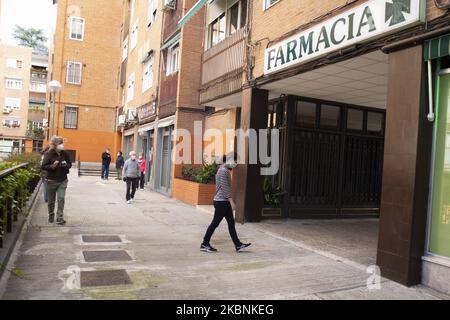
(366, 21)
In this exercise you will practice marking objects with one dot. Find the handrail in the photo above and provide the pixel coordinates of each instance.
(8, 214)
(6, 172)
(79, 166)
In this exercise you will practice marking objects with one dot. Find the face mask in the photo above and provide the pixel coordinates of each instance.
(231, 165)
(60, 147)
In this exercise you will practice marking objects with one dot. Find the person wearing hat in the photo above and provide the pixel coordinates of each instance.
(56, 164)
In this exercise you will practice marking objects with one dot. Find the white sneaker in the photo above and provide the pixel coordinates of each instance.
(129, 202)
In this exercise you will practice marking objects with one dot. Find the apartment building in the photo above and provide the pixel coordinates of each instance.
(37, 102)
(139, 73)
(84, 59)
(160, 78)
(15, 64)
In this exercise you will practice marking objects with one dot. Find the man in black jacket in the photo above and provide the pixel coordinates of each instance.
(106, 161)
(57, 164)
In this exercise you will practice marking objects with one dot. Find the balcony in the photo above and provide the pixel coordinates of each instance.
(223, 67)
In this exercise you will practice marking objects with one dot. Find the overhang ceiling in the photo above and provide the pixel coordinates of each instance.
(361, 81)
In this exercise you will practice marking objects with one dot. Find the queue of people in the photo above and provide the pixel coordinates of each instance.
(56, 164)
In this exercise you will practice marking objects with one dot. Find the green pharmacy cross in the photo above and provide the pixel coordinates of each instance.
(396, 10)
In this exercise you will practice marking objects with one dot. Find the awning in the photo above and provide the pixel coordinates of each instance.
(195, 8)
(128, 133)
(437, 47)
(146, 127)
(171, 41)
(166, 122)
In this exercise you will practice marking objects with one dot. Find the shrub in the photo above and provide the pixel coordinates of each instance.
(33, 159)
(273, 195)
(205, 175)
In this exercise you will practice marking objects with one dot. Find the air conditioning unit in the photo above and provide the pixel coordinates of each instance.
(122, 120)
(131, 114)
(7, 110)
(169, 5)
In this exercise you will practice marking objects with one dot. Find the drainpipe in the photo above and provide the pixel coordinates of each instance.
(431, 116)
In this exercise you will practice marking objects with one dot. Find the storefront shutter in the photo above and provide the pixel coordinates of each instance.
(437, 47)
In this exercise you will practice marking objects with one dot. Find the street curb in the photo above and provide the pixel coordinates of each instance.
(19, 233)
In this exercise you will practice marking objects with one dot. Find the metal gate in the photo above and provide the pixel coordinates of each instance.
(336, 159)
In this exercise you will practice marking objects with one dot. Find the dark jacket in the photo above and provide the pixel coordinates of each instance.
(59, 173)
(106, 158)
(120, 162)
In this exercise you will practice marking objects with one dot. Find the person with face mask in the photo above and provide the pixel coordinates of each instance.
(106, 161)
(131, 173)
(119, 165)
(223, 207)
(56, 164)
(143, 168)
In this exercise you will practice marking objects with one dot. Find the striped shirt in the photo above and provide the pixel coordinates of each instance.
(223, 184)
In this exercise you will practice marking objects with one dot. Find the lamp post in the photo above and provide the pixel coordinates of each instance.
(54, 86)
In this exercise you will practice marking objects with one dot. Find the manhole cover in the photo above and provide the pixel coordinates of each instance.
(101, 239)
(106, 255)
(104, 278)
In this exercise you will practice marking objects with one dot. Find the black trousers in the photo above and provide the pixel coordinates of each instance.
(132, 184)
(222, 210)
(142, 180)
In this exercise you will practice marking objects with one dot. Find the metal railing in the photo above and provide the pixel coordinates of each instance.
(10, 211)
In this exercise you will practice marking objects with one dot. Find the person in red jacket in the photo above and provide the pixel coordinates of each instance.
(143, 168)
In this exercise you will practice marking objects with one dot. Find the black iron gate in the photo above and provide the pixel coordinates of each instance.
(336, 157)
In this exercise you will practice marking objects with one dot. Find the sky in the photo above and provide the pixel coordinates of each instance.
(39, 14)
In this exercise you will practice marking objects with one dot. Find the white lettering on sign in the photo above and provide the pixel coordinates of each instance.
(366, 21)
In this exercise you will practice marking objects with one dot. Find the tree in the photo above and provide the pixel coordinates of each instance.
(32, 38)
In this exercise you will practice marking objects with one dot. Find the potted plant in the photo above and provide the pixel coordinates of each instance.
(196, 185)
(273, 198)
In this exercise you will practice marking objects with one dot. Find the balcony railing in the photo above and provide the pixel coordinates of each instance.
(225, 57)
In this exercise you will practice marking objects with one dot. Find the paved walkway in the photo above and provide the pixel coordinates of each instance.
(161, 236)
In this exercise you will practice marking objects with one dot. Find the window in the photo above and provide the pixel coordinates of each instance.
(329, 117)
(11, 123)
(217, 30)
(147, 78)
(152, 10)
(306, 114)
(14, 63)
(38, 145)
(125, 49)
(35, 125)
(74, 72)
(134, 36)
(71, 117)
(38, 87)
(130, 91)
(76, 28)
(13, 103)
(172, 59)
(375, 123)
(13, 84)
(237, 16)
(355, 120)
(268, 3)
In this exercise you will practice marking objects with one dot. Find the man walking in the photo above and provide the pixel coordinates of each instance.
(57, 164)
(106, 161)
(224, 207)
(131, 173)
(119, 165)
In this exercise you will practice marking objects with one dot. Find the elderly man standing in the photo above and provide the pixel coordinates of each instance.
(57, 164)
(131, 173)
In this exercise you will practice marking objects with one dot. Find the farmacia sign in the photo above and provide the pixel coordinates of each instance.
(359, 24)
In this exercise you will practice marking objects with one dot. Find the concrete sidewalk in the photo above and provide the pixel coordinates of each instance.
(161, 237)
